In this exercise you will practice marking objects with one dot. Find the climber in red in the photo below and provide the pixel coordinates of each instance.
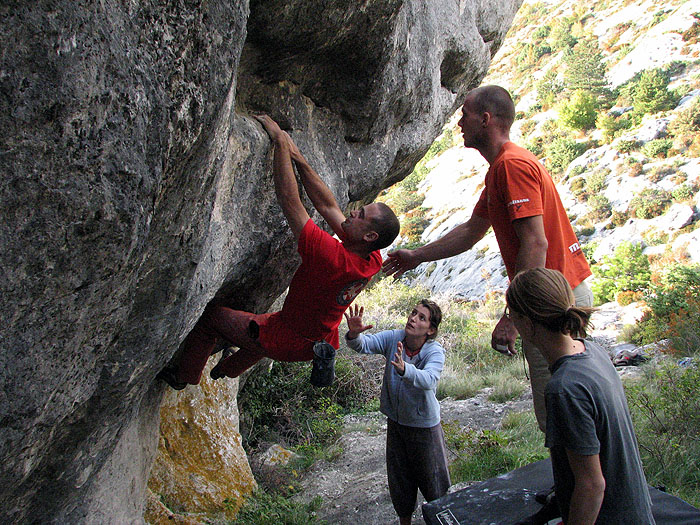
(331, 275)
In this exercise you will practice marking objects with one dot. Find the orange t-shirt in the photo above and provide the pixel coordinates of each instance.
(518, 186)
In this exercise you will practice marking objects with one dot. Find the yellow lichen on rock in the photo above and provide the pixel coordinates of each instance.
(201, 468)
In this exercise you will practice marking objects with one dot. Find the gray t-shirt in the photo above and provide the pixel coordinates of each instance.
(587, 413)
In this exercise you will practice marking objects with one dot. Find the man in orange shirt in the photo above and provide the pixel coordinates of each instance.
(522, 205)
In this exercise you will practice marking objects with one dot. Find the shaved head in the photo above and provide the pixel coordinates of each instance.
(493, 100)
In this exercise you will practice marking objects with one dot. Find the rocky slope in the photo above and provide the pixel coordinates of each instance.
(136, 189)
(634, 37)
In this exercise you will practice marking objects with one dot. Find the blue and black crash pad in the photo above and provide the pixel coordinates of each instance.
(508, 498)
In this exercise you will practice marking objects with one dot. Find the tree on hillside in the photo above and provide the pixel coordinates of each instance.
(560, 36)
(548, 89)
(585, 69)
(580, 111)
(651, 93)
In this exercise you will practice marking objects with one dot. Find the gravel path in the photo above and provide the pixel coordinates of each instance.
(354, 487)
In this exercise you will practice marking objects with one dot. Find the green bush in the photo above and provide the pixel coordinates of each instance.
(687, 120)
(414, 224)
(625, 146)
(577, 185)
(579, 111)
(611, 125)
(649, 203)
(659, 173)
(600, 207)
(536, 146)
(665, 409)
(636, 168)
(685, 128)
(562, 151)
(560, 36)
(684, 192)
(626, 270)
(284, 404)
(541, 32)
(597, 181)
(403, 201)
(647, 330)
(618, 218)
(672, 288)
(657, 147)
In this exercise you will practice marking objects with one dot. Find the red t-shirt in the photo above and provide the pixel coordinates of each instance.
(328, 280)
(518, 186)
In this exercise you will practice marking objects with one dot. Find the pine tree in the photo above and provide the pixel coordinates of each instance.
(585, 69)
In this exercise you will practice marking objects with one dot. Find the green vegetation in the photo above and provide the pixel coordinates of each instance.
(673, 290)
(674, 310)
(580, 111)
(649, 203)
(626, 270)
(275, 509)
(650, 93)
(612, 126)
(585, 69)
(482, 454)
(625, 146)
(600, 207)
(561, 152)
(548, 89)
(283, 405)
(684, 192)
(413, 225)
(657, 147)
(685, 129)
(665, 408)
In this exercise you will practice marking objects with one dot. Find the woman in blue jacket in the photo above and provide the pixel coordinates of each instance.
(415, 443)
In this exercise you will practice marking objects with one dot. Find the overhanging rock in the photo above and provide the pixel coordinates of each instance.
(136, 188)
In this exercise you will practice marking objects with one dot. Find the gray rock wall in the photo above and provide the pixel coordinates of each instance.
(136, 188)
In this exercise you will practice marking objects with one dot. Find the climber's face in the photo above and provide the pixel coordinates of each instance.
(360, 223)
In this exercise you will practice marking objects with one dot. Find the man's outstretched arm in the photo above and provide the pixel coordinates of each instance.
(458, 240)
(321, 196)
(286, 187)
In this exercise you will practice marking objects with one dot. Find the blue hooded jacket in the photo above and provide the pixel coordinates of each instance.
(409, 399)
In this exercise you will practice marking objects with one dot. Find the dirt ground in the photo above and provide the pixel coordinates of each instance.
(354, 486)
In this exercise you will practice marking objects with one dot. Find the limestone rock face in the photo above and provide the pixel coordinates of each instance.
(201, 466)
(136, 188)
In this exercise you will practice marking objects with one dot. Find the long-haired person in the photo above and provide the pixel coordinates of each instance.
(416, 456)
(598, 475)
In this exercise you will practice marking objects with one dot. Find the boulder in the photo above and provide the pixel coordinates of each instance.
(201, 468)
(136, 189)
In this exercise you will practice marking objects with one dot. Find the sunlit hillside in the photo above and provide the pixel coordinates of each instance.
(608, 97)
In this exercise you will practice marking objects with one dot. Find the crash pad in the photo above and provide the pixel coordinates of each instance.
(508, 498)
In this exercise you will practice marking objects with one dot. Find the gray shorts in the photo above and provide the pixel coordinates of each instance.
(416, 458)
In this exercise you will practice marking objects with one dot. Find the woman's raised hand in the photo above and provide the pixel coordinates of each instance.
(353, 316)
